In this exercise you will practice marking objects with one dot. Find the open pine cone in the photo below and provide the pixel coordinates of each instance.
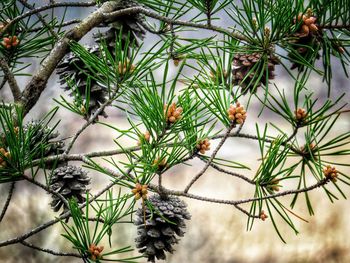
(42, 140)
(129, 25)
(162, 227)
(71, 182)
(72, 68)
(247, 73)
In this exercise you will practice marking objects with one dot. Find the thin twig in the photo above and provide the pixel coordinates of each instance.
(218, 168)
(232, 125)
(3, 82)
(133, 10)
(242, 201)
(41, 18)
(246, 212)
(16, 92)
(47, 189)
(90, 121)
(49, 251)
(44, 8)
(8, 200)
(68, 23)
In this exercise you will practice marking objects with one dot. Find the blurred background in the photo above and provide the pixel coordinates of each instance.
(216, 233)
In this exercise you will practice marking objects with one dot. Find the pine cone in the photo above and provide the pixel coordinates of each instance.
(42, 139)
(162, 225)
(69, 181)
(72, 68)
(244, 64)
(130, 25)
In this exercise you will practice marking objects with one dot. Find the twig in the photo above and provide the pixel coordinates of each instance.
(90, 121)
(47, 189)
(330, 26)
(44, 8)
(218, 168)
(52, 222)
(146, 12)
(8, 200)
(68, 23)
(49, 251)
(246, 212)
(211, 158)
(41, 18)
(238, 202)
(16, 92)
(3, 82)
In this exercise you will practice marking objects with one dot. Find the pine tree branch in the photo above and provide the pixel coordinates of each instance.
(154, 187)
(8, 200)
(336, 26)
(16, 92)
(3, 82)
(67, 23)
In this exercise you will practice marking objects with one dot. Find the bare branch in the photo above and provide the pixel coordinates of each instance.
(218, 168)
(238, 202)
(68, 23)
(8, 200)
(47, 189)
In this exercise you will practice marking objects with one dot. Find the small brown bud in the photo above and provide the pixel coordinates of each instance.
(300, 114)
(330, 173)
(4, 155)
(125, 67)
(313, 28)
(9, 42)
(263, 216)
(203, 146)
(267, 32)
(95, 252)
(237, 114)
(172, 113)
(140, 191)
(161, 164)
(146, 137)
